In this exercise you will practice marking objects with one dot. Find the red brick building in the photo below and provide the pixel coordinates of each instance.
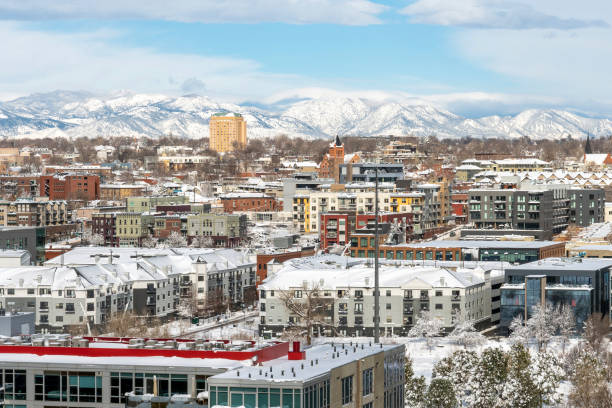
(336, 228)
(70, 187)
(104, 224)
(459, 204)
(263, 259)
(233, 202)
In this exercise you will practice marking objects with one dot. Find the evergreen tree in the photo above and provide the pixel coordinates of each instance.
(415, 388)
(440, 394)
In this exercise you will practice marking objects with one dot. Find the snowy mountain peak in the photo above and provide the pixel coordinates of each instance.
(74, 114)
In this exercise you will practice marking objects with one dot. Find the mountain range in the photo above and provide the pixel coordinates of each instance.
(73, 114)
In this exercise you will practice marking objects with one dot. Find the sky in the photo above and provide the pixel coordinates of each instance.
(473, 57)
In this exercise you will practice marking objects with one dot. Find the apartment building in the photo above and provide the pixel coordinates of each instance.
(105, 224)
(347, 296)
(197, 275)
(225, 230)
(29, 213)
(549, 209)
(150, 203)
(308, 207)
(227, 130)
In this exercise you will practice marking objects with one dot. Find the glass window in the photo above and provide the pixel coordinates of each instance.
(347, 389)
(368, 380)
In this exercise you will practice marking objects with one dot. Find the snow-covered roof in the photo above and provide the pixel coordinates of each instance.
(570, 264)
(357, 276)
(286, 371)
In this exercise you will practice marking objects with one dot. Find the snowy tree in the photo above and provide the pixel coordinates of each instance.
(519, 333)
(93, 239)
(565, 323)
(149, 242)
(546, 374)
(465, 334)
(440, 394)
(174, 240)
(202, 242)
(428, 327)
(541, 325)
(459, 369)
(415, 388)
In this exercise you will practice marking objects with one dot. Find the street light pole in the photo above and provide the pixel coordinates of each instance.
(376, 254)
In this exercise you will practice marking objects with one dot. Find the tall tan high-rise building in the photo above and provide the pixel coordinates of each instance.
(227, 129)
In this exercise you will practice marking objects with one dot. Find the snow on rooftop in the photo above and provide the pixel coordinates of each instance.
(390, 276)
(282, 369)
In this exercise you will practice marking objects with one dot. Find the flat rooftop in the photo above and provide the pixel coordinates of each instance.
(569, 264)
(442, 244)
(320, 359)
(111, 351)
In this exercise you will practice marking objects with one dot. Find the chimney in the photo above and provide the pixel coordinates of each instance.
(296, 352)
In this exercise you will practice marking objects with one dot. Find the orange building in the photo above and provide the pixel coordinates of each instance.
(227, 130)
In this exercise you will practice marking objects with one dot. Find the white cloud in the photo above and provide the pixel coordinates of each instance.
(348, 12)
(36, 61)
(497, 14)
(566, 64)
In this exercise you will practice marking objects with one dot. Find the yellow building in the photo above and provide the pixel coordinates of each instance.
(226, 130)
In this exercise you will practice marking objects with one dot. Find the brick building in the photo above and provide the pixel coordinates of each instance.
(263, 259)
(104, 224)
(244, 201)
(70, 187)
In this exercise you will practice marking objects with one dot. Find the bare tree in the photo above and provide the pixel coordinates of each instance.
(596, 328)
(92, 238)
(307, 309)
(174, 240)
(149, 242)
(565, 323)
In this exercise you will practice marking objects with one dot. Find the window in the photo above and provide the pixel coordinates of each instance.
(69, 307)
(44, 306)
(358, 308)
(388, 293)
(438, 293)
(438, 306)
(388, 306)
(347, 390)
(90, 307)
(368, 381)
(297, 294)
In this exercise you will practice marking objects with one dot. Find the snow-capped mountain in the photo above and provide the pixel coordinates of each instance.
(74, 114)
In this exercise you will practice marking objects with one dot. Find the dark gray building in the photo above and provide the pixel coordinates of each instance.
(17, 324)
(366, 172)
(31, 239)
(549, 209)
(583, 284)
(586, 206)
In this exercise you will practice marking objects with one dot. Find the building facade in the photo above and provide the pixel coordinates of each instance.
(227, 131)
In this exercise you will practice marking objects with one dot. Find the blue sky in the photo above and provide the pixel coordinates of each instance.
(474, 57)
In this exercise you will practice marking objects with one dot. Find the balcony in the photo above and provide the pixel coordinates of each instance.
(456, 298)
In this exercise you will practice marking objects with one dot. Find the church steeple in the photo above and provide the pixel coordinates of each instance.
(587, 146)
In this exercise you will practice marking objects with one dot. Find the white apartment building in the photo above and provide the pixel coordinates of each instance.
(347, 293)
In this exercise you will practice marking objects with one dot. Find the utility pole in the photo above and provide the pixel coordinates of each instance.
(376, 254)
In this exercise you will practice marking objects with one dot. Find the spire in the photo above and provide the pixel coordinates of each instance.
(338, 142)
(587, 146)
